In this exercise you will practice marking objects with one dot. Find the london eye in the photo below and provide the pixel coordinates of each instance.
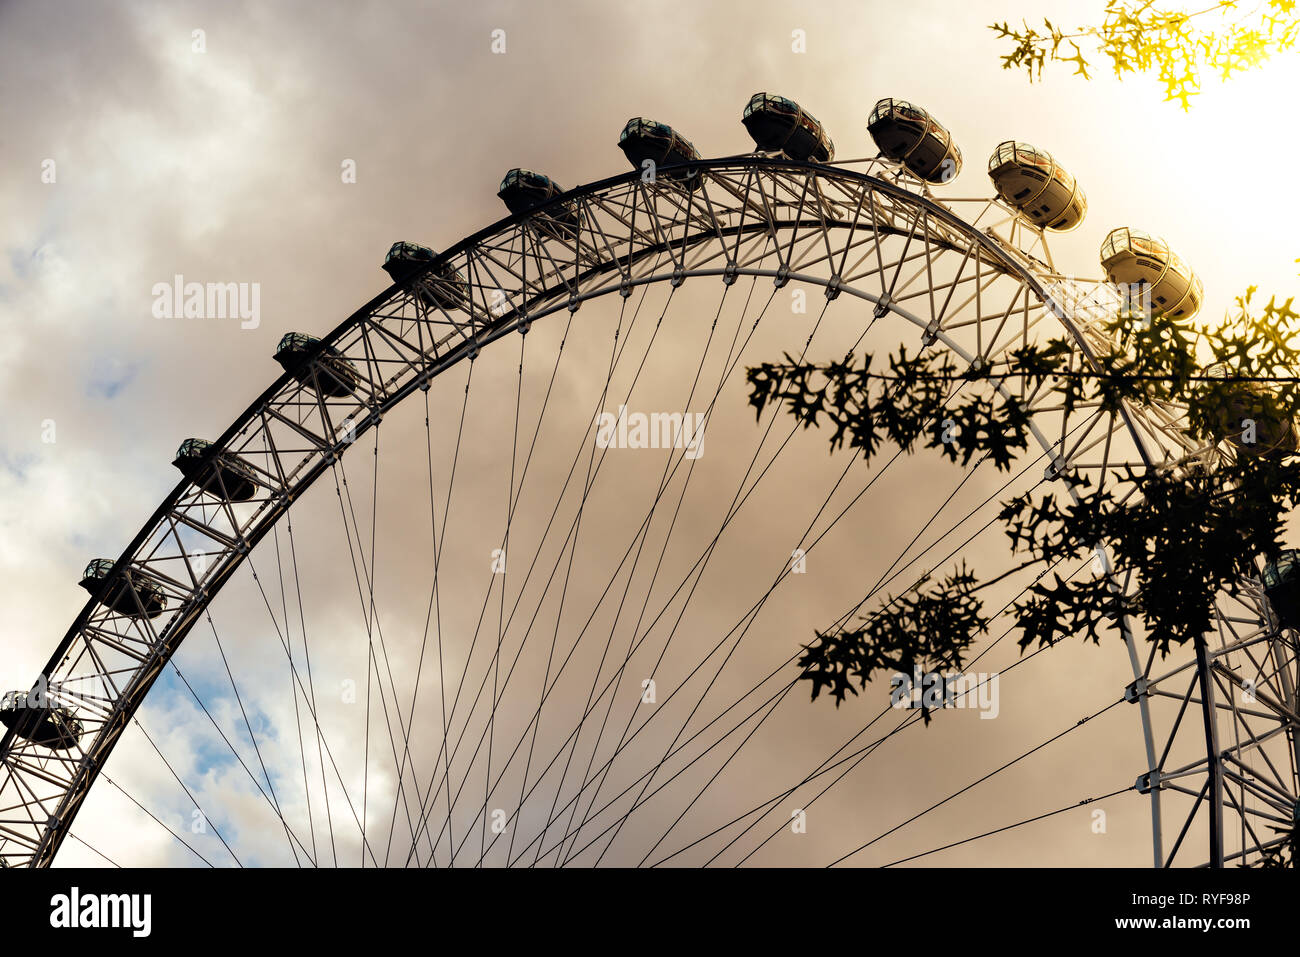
(427, 611)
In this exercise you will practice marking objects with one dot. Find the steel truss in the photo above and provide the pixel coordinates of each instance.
(965, 273)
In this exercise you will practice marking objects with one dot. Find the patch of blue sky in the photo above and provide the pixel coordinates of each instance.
(16, 463)
(27, 262)
(109, 377)
(214, 691)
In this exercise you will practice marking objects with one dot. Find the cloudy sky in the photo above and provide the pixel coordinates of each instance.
(148, 140)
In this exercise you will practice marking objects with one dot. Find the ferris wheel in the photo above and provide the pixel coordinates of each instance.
(554, 618)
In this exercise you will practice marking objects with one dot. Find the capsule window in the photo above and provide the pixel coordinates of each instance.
(1006, 153)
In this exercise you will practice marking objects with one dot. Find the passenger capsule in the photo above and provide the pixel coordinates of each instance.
(58, 729)
(127, 596)
(907, 134)
(523, 190)
(1134, 259)
(1034, 183)
(226, 476)
(778, 125)
(444, 286)
(1281, 580)
(331, 374)
(644, 139)
(1273, 435)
